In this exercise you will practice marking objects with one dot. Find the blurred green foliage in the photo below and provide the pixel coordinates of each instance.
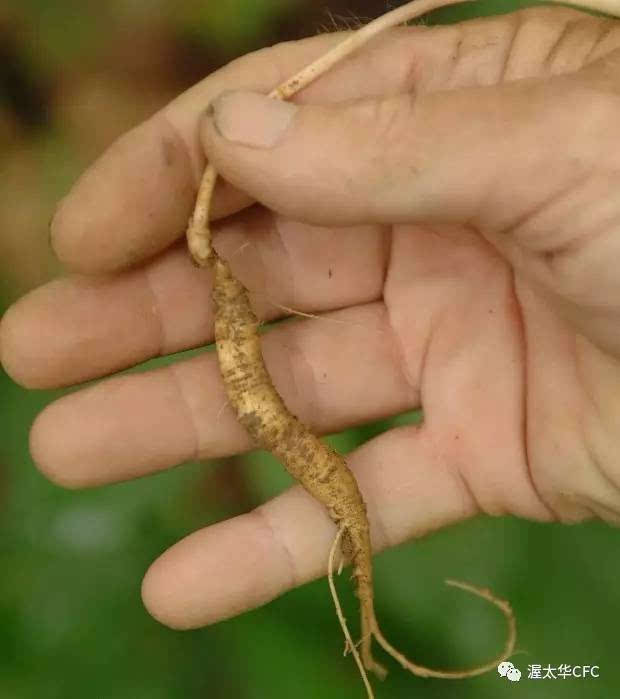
(71, 621)
(235, 23)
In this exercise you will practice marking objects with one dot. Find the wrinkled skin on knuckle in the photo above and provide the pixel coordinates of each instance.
(393, 118)
(392, 160)
(604, 73)
(565, 40)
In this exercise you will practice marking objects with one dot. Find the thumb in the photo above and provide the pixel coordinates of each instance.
(533, 165)
(487, 155)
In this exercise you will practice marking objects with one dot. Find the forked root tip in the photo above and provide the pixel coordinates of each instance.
(423, 671)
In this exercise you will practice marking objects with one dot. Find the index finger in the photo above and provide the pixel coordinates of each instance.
(135, 200)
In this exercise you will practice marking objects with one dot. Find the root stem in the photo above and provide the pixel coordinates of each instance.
(350, 646)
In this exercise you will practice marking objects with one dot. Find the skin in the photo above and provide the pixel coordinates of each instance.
(476, 276)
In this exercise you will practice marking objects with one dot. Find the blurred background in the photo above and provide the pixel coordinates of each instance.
(74, 76)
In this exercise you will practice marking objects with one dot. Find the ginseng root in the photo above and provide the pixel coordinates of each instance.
(321, 471)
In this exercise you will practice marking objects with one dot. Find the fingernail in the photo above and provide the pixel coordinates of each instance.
(251, 119)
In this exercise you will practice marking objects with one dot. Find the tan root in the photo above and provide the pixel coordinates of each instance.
(350, 647)
(322, 472)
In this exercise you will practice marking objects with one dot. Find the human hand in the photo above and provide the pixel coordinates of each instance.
(475, 275)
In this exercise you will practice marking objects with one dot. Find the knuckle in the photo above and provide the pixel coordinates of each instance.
(556, 40)
(604, 73)
(481, 53)
(526, 43)
(391, 124)
(570, 43)
(393, 119)
(388, 157)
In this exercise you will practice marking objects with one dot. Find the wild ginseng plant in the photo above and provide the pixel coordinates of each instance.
(260, 409)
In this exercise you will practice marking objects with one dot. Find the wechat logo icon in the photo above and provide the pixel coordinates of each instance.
(509, 671)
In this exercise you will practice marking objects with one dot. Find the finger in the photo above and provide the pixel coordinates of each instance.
(80, 328)
(136, 199)
(245, 562)
(408, 158)
(117, 215)
(340, 371)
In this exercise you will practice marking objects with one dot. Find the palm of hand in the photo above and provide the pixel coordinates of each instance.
(515, 399)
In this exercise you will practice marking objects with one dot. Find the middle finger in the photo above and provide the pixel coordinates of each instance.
(80, 328)
(331, 374)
